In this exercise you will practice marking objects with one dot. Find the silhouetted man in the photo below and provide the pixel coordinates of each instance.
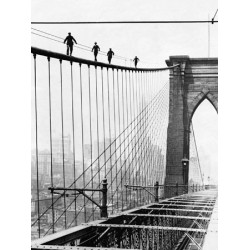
(70, 42)
(136, 59)
(110, 54)
(96, 48)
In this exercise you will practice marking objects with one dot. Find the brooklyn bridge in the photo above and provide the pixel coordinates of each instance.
(115, 163)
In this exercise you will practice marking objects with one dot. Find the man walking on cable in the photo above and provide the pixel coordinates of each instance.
(110, 54)
(95, 48)
(70, 42)
(136, 59)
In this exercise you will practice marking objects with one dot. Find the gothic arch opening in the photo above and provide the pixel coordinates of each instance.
(203, 150)
(199, 99)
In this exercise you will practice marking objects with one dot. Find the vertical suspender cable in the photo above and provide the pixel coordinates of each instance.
(115, 153)
(151, 139)
(158, 129)
(132, 118)
(124, 140)
(110, 148)
(51, 154)
(90, 134)
(138, 132)
(119, 132)
(130, 141)
(37, 166)
(97, 130)
(73, 133)
(143, 130)
(146, 129)
(63, 160)
(83, 155)
(127, 118)
(103, 124)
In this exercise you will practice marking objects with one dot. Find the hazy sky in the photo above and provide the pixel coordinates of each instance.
(152, 43)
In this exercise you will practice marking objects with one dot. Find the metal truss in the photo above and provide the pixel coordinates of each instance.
(139, 228)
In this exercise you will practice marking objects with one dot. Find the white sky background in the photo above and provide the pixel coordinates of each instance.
(152, 43)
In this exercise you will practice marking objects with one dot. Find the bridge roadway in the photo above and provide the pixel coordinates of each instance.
(187, 222)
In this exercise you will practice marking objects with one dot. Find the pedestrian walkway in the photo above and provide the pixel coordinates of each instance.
(211, 239)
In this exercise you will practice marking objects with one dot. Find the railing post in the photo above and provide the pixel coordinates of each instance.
(196, 187)
(104, 208)
(176, 189)
(157, 191)
(193, 187)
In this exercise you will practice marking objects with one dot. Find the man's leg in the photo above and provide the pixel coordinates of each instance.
(67, 50)
(71, 49)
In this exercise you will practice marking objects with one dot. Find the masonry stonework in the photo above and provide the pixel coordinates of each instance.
(194, 80)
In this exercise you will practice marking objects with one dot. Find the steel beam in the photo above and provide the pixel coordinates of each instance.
(149, 227)
(180, 205)
(170, 216)
(176, 209)
(185, 202)
(193, 200)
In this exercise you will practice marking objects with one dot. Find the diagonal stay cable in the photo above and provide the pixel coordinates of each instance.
(113, 167)
(134, 157)
(151, 102)
(197, 153)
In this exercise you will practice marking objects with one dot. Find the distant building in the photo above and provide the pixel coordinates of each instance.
(194, 172)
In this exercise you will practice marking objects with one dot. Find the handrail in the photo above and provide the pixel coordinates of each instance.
(51, 54)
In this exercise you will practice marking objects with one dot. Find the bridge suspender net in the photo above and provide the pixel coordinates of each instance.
(94, 121)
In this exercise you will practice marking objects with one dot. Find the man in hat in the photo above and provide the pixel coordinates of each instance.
(70, 42)
(110, 54)
(95, 48)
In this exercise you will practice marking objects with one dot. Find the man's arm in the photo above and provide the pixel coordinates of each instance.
(74, 40)
(65, 39)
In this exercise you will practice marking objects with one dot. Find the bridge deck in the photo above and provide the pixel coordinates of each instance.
(211, 240)
(154, 226)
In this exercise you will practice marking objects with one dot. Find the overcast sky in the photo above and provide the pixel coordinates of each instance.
(152, 43)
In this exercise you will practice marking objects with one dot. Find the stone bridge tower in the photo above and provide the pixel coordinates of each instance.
(193, 81)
